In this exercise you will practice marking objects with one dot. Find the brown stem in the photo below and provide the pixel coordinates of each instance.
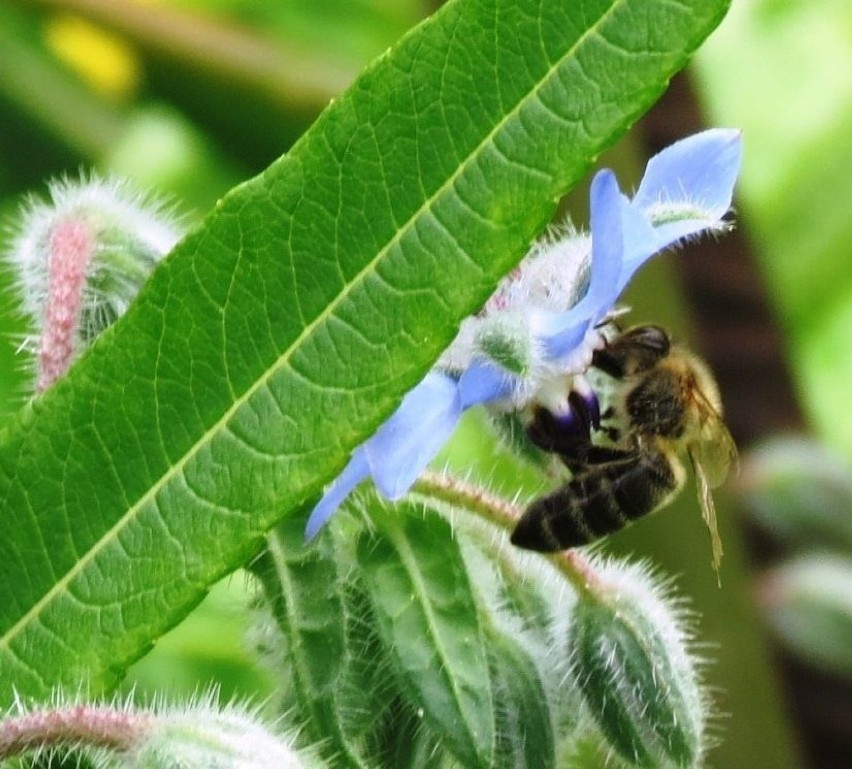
(572, 564)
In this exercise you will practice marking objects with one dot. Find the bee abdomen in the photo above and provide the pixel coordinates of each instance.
(598, 501)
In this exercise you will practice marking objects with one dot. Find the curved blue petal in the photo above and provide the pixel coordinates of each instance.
(568, 329)
(701, 168)
(410, 439)
(483, 382)
(355, 472)
(565, 333)
(671, 232)
(641, 242)
(606, 217)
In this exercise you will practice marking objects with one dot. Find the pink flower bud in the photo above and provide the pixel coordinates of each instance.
(69, 253)
(79, 260)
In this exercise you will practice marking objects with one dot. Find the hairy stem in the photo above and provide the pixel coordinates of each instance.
(575, 567)
(81, 725)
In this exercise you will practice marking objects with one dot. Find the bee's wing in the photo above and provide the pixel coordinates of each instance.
(708, 508)
(712, 455)
(715, 449)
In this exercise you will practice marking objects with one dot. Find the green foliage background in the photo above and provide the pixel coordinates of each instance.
(791, 63)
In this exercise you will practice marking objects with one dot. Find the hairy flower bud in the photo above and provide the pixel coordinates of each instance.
(800, 491)
(629, 660)
(202, 738)
(808, 602)
(79, 260)
(197, 735)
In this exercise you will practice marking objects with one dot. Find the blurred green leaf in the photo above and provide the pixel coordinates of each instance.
(33, 82)
(792, 61)
(64, 114)
(824, 369)
(251, 78)
(799, 491)
(353, 29)
(287, 327)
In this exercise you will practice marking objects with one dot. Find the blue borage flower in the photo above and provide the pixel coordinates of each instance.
(534, 339)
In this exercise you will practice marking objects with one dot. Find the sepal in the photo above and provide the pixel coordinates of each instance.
(506, 341)
(427, 617)
(633, 668)
(317, 635)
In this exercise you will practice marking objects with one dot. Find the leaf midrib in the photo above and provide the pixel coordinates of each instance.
(283, 359)
(409, 561)
(302, 678)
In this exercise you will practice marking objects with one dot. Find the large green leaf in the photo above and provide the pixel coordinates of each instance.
(287, 326)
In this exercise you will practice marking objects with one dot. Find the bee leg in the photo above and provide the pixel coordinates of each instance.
(586, 457)
(568, 432)
(635, 351)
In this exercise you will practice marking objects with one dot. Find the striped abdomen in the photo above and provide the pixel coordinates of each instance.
(599, 500)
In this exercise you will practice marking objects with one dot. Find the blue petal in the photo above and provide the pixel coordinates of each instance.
(411, 438)
(355, 472)
(567, 330)
(605, 207)
(701, 168)
(483, 382)
(641, 242)
(671, 232)
(565, 334)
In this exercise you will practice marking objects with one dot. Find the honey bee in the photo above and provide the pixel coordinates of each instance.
(666, 402)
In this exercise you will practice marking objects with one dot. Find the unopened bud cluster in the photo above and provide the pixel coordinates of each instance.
(79, 259)
(800, 492)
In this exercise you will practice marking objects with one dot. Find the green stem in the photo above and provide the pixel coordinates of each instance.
(38, 87)
(291, 76)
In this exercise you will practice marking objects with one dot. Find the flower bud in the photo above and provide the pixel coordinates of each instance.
(79, 260)
(201, 738)
(800, 491)
(631, 665)
(809, 605)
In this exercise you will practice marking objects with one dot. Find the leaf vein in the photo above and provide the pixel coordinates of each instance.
(284, 361)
